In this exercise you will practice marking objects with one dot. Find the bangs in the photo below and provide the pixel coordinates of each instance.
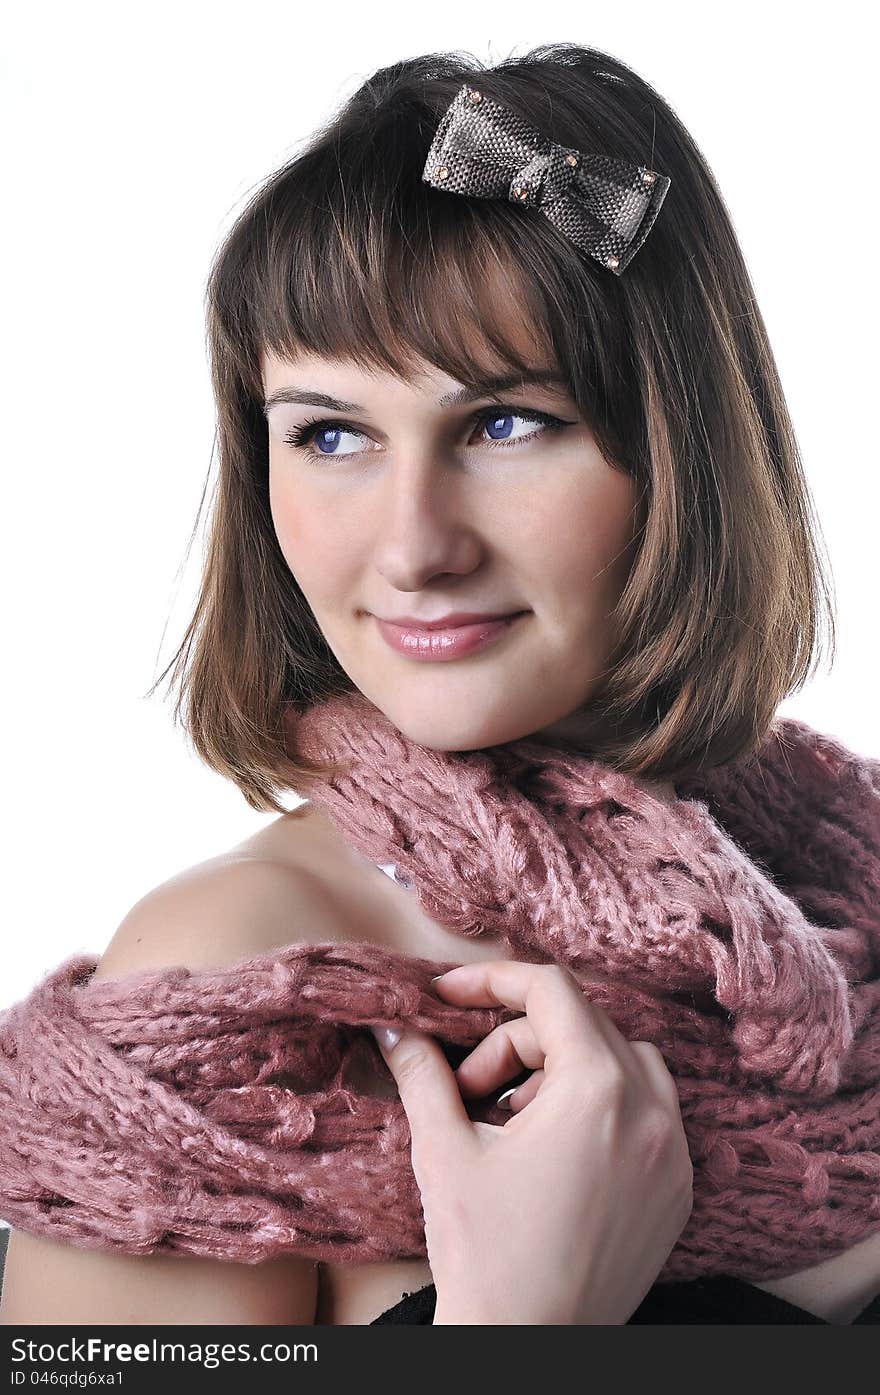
(390, 296)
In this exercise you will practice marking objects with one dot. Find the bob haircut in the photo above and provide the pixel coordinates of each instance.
(345, 252)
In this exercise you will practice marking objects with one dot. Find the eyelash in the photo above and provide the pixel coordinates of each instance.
(299, 437)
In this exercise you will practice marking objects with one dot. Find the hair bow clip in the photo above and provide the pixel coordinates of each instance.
(606, 207)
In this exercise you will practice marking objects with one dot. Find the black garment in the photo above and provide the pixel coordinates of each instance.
(715, 1300)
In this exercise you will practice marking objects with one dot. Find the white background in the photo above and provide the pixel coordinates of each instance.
(131, 138)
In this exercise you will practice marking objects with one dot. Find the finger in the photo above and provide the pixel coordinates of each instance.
(658, 1073)
(510, 1048)
(427, 1087)
(516, 1099)
(562, 1017)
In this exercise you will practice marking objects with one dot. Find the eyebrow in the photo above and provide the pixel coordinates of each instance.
(311, 397)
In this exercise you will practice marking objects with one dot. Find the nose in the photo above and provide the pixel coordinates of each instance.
(426, 523)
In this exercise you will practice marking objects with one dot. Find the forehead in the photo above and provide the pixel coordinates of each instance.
(277, 365)
(333, 383)
(333, 373)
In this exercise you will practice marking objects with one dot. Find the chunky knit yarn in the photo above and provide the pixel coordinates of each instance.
(207, 1111)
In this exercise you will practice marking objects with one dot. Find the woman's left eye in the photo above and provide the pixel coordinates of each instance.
(493, 419)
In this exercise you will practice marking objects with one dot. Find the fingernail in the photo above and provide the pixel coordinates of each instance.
(503, 1100)
(436, 976)
(387, 1037)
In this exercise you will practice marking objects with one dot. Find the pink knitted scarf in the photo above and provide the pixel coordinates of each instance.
(205, 1111)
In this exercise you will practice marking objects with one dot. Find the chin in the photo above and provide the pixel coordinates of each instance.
(439, 731)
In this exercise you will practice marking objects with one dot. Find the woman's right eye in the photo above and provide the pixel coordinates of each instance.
(326, 434)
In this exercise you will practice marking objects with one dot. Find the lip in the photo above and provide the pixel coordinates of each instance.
(447, 622)
(449, 638)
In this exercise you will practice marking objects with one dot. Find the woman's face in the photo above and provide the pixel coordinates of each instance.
(401, 505)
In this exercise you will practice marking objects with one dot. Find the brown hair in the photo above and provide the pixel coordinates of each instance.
(346, 252)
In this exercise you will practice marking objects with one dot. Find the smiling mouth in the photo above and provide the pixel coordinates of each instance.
(451, 642)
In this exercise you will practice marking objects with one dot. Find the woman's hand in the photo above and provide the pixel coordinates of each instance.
(568, 1211)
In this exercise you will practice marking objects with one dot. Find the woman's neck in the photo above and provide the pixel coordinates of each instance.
(574, 734)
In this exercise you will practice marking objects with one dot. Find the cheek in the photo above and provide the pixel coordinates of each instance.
(297, 522)
(280, 507)
(321, 553)
(581, 537)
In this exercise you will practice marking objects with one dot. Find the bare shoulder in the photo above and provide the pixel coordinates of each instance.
(303, 839)
(215, 913)
(224, 910)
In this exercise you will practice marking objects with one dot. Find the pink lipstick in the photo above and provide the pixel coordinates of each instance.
(450, 638)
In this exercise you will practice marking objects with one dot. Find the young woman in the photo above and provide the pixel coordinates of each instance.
(501, 491)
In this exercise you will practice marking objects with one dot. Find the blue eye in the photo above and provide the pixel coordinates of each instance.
(328, 436)
(492, 422)
(319, 438)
